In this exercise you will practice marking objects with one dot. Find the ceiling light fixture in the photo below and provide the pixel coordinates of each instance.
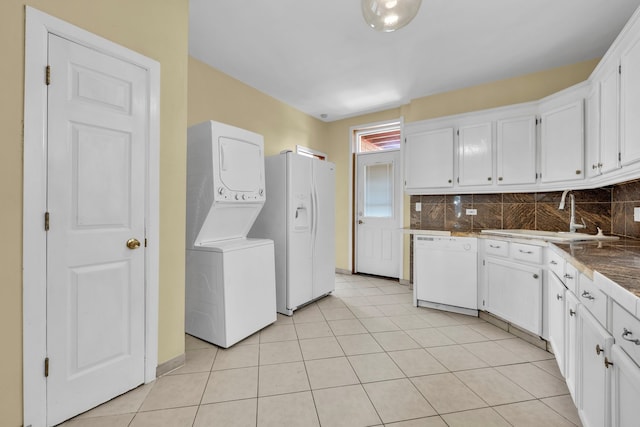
(389, 15)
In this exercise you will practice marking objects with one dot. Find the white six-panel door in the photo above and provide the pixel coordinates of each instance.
(97, 132)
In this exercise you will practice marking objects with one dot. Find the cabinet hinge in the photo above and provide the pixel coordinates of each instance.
(458, 132)
(619, 156)
(483, 304)
(46, 221)
(47, 75)
(536, 175)
(405, 140)
(536, 121)
(46, 367)
(619, 69)
(483, 264)
(458, 180)
(145, 242)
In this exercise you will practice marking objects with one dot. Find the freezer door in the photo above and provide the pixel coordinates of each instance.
(323, 227)
(299, 227)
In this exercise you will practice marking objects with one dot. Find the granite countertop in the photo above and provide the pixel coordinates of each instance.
(617, 260)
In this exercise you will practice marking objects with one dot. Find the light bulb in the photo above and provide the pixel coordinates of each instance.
(389, 15)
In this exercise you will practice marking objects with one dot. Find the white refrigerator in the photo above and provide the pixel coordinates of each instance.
(299, 216)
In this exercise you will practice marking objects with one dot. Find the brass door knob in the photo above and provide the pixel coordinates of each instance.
(133, 243)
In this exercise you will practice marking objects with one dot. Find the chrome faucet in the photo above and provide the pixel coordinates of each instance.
(573, 226)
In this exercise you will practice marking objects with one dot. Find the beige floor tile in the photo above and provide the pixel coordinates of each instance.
(282, 378)
(178, 417)
(465, 319)
(485, 417)
(198, 360)
(379, 324)
(493, 354)
(534, 380)
(193, 343)
(122, 420)
(310, 313)
(434, 421)
(280, 352)
(320, 348)
(345, 293)
(236, 357)
(490, 331)
(371, 291)
(330, 301)
(417, 362)
(295, 408)
(238, 413)
(125, 404)
(493, 387)
(528, 352)
(339, 313)
(251, 339)
(564, 406)
(392, 309)
(346, 406)
(359, 301)
(375, 367)
(394, 289)
(462, 334)
(438, 319)
(366, 311)
(313, 330)
(395, 340)
(359, 344)
(398, 400)
(174, 391)
(550, 366)
(347, 327)
(532, 413)
(456, 357)
(283, 319)
(275, 333)
(334, 372)
(430, 337)
(410, 321)
(231, 384)
(446, 393)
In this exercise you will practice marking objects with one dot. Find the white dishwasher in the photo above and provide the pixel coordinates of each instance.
(445, 273)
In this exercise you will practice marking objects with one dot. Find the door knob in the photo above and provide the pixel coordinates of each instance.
(133, 243)
(360, 221)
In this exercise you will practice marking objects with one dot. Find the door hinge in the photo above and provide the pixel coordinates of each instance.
(47, 78)
(46, 221)
(46, 367)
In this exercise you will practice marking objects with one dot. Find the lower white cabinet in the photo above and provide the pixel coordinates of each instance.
(625, 389)
(556, 318)
(571, 341)
(514, 292)
(594, 356)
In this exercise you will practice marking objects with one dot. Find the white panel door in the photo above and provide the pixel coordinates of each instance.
(324, 229)
(630, 100)
(428, 160)
(625, 393)
(475, 154)
(96, 183)
(516, 150)
(378, 213)
(562, 143)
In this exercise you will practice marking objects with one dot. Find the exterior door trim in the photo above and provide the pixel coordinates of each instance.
(34, 303)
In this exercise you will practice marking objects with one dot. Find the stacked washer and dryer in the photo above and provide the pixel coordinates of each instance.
(230, 279)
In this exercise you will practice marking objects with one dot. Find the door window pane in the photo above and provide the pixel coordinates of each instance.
(378, 190)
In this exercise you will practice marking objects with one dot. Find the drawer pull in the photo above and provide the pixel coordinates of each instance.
(568, 276)
(495, 246)
(599, 349)
(587, 295)
(553, 262)
(525, 252)
(572, 312)
(607, 363)
(558, 297)
(627, 332)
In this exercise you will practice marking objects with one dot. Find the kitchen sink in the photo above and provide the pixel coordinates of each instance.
(551, 236)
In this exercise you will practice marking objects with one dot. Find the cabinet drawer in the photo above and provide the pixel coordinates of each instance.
(556, 263)
(593, 299)
(528, 253)
(497, 248)
(626, 332)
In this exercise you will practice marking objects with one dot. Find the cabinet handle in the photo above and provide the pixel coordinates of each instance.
(568, 276)
(599, 349)
(499, 178)
(607, 363)
(535, 276)
(495, 246)
(449, 181)
(599, 165)
(572, 312)
(587, 295)
(489, 179)
(553, 262)
(628, 332)
(558, 296)
(578, 172)
(594, 166)
(525, 252)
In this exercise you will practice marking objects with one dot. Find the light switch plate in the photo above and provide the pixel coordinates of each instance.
(636, 214)
(418, 206)
(472, 211)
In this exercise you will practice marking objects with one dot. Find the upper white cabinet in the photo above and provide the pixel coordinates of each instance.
(592, 131)
(516, 150)
(609, 119)
(428, 159)
(475, 154)
(630, 99)
(562, 143)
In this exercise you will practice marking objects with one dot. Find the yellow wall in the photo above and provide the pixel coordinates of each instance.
(157, 29)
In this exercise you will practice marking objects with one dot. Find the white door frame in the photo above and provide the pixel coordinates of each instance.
(353, 185)
(34, 303)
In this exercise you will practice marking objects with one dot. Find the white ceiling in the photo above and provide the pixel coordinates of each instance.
(321, 58)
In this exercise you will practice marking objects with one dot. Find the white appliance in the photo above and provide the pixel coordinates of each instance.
(299, 216)
(230, 279)
(445, 273)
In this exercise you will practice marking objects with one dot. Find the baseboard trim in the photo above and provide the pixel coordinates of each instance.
(405, 282)
(170, 365)
(343, 271)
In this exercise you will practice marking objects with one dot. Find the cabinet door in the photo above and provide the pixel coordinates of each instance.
(475, 154)
(592, 130)
(562, 143)
(630, 97)
(556, 319)
(593, 378)
(428, 160)
(625, 393)
(516, 151)
(571, 333)
(609, 120)
(514, 292)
